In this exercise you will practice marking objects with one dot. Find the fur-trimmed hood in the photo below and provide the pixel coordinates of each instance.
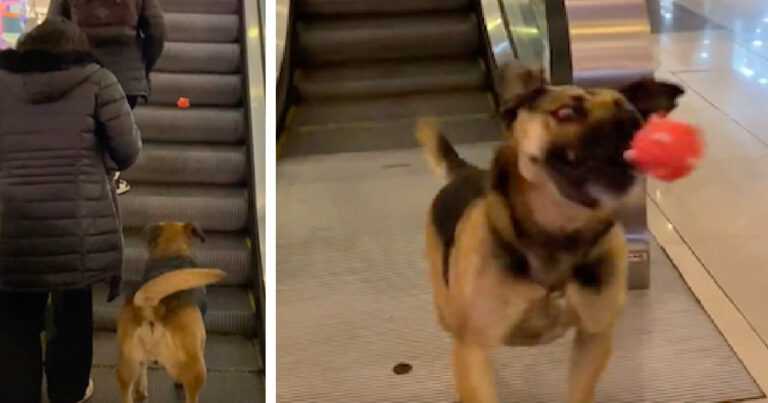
(42, 77)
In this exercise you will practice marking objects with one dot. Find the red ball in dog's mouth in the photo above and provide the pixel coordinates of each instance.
(665, 149)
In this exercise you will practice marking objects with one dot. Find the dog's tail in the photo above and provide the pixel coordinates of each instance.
(151, 293)
(440, 154)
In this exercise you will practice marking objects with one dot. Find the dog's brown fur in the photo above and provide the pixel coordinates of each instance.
(156, 326)
(531, 255)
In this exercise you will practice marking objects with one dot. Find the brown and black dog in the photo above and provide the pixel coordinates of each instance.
(162, 321)
(523, 252)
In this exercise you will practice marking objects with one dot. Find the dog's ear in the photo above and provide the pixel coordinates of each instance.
(194, 230)
(152, 233)
(650, 96)
(516, 86)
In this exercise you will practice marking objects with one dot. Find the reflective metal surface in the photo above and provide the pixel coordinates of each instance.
(283, 14)
(610, 41)
(517, 31)
(498, 36)
(256, 95)
(525, 30)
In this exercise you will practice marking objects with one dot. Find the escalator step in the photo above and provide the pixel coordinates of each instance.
(323, 114)
(347, 7)
(190, 164)
(389, 79)
(228, 252)
(229, 310)
(384, 136)
(201, 6)
(203, 125)
(207, 28)
(180, 57)
(222, 353)
(215, 209)
(201, 89)
(331, 40)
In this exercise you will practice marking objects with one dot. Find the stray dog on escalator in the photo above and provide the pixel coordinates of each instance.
(162, 321)
(523, 252)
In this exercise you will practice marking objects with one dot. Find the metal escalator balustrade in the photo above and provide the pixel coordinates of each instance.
(610, 42)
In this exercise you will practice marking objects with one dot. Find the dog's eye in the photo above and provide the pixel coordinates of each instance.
(565, 114)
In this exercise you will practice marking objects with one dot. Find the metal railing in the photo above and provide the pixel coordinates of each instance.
(283, 64)
(255, 110)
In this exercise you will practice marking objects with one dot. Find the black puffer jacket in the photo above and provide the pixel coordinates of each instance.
(60, 116)
(130, 62)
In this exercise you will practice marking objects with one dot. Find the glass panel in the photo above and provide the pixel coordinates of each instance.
(517, 29)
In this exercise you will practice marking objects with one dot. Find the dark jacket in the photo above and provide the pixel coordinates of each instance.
(60, 116)
(130, 62)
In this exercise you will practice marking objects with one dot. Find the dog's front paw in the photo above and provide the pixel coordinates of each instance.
(140, 394)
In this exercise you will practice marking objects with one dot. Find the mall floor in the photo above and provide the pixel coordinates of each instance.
(713, 224)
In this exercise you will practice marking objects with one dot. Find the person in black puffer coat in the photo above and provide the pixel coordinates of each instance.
(61, 116)
(129, 49)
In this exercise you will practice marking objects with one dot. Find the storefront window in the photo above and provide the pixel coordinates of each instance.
(17, 17)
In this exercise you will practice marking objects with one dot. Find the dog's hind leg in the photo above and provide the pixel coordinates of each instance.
(193, 378)
(128, 374)
(141, 391)
(591, 352)
(474, 374)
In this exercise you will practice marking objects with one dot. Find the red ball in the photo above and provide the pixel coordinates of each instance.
(183, 103)
(665, 149)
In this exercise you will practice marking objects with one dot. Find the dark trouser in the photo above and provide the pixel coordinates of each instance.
(69, 353)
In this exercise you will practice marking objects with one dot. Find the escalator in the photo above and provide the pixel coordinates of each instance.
(355, 320)
(363, 70)
(198, 166)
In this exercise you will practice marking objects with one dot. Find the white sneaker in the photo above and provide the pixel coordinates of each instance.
(88, 392)
(122, 187)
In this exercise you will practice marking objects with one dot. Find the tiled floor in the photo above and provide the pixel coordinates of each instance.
(714, 222)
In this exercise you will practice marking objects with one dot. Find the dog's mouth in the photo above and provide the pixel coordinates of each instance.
(572, 186)
(594, 168)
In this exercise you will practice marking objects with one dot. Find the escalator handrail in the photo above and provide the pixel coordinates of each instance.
(253, 48)
(284, 61)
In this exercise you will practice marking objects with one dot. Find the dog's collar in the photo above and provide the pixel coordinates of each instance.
(158, 266)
